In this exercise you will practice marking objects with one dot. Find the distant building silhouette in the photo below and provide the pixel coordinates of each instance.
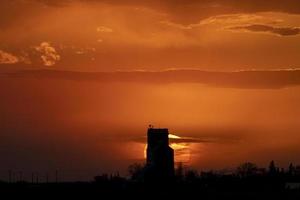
(160, 157)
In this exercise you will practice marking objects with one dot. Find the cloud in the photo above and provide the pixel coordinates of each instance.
(229, 20)
(273, 79)
(104, 29)
(8, 58)
(280, 31)
(201, 135)
(180, 140)
(232, 19)
(178, 26)
(194, 10)
(251, 5)
(55, 2)
(179, 11)
(204, 140)
(49, 55)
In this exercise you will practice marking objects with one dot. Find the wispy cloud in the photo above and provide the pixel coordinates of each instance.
(178, 26)
(261, 28)
(202, 135)
(234, 19)
(242, 22)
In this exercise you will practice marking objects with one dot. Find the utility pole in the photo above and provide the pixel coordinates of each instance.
(37, 177)
(47, 177)
(9, 176)
(21, 176)
(56, 176)
(13, 177)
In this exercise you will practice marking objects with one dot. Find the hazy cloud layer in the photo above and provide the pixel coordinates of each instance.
(193, 10)
(180, 10)
(62, 119)
(281, 31)
(242, 79)
(152, 35)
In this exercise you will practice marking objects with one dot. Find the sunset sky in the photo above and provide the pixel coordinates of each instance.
(81, 80)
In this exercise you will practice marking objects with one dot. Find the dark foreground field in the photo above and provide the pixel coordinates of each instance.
(225, 187)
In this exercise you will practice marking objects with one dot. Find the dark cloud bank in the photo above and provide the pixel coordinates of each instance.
(275, 79)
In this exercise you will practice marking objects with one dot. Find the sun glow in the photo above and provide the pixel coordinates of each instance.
(181, 150)
(171, 136)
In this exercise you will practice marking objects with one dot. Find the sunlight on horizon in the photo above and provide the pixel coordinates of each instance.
(182, 152)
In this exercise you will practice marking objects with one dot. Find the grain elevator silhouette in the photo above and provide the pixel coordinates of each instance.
(160, 156)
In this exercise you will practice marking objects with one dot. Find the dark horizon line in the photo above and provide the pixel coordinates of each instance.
(244, 79)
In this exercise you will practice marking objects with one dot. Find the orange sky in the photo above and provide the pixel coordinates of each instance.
(245, 109)
(100, 35)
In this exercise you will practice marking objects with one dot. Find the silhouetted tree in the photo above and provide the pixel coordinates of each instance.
(101, 178)
(292, 169)
(272, 168)
(136, 171)
(297, 170)
(247, 169)
(179, 172)
(191, 175)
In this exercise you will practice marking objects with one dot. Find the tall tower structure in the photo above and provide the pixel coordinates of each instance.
(160, 156)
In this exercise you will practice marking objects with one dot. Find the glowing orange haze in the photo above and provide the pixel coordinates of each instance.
(62, 123)
(153, 35)
(77, 121)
